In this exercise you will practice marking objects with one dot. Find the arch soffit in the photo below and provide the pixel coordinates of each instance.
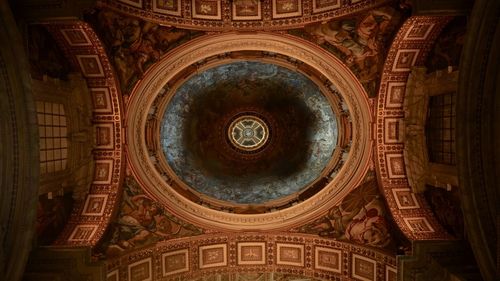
(86, 54)
(410, 48)
(302, 254)
(223, 16)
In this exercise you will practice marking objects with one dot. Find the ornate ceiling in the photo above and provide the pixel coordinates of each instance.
(214, 15)
(200, 140)
(182, 187)
(354, 106)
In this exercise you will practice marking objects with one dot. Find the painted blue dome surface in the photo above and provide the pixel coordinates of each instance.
(303, 132)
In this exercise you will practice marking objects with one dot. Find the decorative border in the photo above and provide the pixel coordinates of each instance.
(296, 13)
(395, 95)
(317, 259)
(242, 18)
(101, 100)
(395, 165)
(317, 9)
(164, 257)
(405, 202)
(103, 171)
(155, 183)
(104, 135)
(348, 254)
(220, 256)
(196, 15)
(356, 259)
(95, 204)
(290, 254)
(148, 277)
(89, 63)
(109, 164)
(83, 232)
(177, 12)
(391, 178)
(76, 37)
(185, 18)
(416, 32)
(405, 60)
(419, 225)
(243, 260)
(137, 3)
(390, 273)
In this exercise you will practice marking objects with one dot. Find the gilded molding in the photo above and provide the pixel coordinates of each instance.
(348, 177)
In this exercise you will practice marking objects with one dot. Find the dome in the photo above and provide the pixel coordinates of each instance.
(248, 132)
(305, 115)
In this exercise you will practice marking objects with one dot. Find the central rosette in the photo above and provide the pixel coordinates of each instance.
(248, 133)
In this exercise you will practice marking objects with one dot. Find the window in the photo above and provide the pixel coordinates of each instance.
(53, 137)
(441, 129)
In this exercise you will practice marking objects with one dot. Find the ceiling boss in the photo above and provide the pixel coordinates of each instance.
(248, 133)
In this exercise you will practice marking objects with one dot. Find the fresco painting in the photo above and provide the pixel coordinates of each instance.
(361, 42)
(360, 218)
(134, 44)
(142, 221)
(169, 5)
(196, 113)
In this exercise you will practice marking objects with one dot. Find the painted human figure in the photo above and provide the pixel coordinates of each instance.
(359, 39)
(369, 229)
(365, 226)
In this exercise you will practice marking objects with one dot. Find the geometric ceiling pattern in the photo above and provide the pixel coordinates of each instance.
(134, 44)
(241, 15)
(90, 218)
(295, 254)
(206, 49)
(360, 40)
(270, 93)
(360, 37)
(344, 231)
(410, 48)
(160, 182)
(87, 55)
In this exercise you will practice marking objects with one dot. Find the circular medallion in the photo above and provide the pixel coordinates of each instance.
(248, 133)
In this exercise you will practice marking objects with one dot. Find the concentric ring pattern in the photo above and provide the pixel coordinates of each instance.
(296, 132)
